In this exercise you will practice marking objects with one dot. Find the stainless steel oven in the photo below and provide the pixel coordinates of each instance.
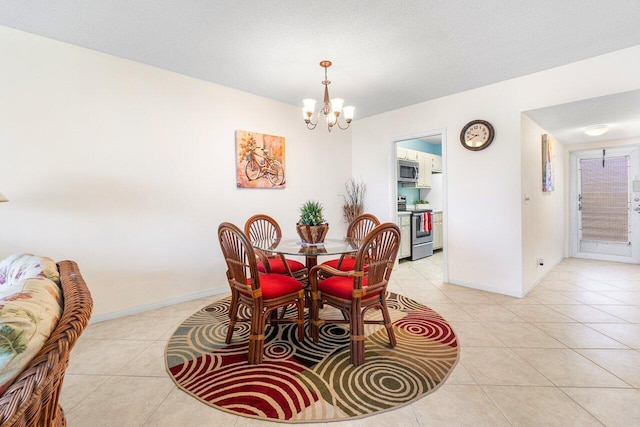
(421, 234)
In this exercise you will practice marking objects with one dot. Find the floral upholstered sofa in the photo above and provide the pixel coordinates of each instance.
(44, 307)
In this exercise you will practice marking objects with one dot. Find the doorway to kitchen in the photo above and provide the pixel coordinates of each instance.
(420, 193)
(605, 204)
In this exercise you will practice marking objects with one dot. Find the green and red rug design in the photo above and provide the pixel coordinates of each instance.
(307, 381)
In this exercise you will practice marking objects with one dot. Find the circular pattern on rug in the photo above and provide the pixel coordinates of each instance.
(307, 381)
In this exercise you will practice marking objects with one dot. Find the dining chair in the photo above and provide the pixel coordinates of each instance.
(263, 227)
(357, 229)
(262, 294)
(354, 293)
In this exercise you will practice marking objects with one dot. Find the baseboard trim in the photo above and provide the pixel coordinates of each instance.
(485, 288)
(152, 306)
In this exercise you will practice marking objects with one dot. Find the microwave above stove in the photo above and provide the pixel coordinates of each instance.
(408, 171)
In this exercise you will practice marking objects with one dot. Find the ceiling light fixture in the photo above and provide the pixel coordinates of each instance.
(2, 198)
(596, 130)
(330, 108)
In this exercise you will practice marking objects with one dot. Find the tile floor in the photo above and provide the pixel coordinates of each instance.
(566, 354)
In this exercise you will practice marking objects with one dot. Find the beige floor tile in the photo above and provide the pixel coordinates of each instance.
(552, 297)
(78, 387)
(591, 298)
(566, 368)
(586, 314)
(136, 327)
(181, 409)
(613, 407)
(444, 408)
(473, 334)
(539, 406)
(557, 285)
(184, 309)
(149, 363)
(522, 335)
(451, 312)
(500, 366)
(490, 313)
(627, 334)
(625, 312)
(626, 297)
(624, 284)
(103, 357)
(121, 401)
(576, 335)
(625, 364)
(538, 313)
(405, 415)
(460, 375)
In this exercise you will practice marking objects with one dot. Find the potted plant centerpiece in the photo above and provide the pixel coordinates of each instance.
(422, 204)
(312, 228)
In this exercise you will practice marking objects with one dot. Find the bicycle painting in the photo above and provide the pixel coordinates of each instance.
(260, 161)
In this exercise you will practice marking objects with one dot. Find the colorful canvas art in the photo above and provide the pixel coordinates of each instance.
(547, 163)
(259, 160)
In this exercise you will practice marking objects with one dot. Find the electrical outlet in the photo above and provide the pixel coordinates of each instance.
(540, 261)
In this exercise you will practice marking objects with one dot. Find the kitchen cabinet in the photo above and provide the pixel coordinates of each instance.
(404, 222)
(436, 163)
(406, 154)
(436, 225)
(424, 177)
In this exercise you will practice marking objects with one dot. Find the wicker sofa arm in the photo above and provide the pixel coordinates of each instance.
(32, 399)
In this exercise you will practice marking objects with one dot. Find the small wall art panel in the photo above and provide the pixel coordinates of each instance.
(260, 160)
(547, 163)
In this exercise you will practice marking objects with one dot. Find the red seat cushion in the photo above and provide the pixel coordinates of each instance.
(341, 287)
(277, 266)
(347, 264)
(276, 285)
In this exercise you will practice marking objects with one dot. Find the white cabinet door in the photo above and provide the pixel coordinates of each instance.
(412, 155)
(404, 222)
(437, 230)
(424, 179)
(401, 153)
(436, 163)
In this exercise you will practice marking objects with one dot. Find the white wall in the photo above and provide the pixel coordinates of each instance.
(484, 214)
(128, 170)
(542, 212)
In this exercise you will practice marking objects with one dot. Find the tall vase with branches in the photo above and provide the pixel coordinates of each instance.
(353, 205)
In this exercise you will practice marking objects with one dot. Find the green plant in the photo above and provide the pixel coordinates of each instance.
(311, 213)
(422, 202)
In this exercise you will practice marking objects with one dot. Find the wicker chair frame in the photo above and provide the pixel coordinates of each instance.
(357, 229)
(32, 399)
(242, 269)
(378, 252)
(263, 227)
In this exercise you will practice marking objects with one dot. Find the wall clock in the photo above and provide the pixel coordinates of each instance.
(477, 135)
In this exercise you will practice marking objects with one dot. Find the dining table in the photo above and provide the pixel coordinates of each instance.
(310, 251)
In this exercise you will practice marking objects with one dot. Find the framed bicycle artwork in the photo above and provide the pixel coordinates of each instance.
(259, 160)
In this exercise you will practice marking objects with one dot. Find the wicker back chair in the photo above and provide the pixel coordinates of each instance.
(32, 399)
(357, 229)
(263, 227)
(262, 294)
(355, 292)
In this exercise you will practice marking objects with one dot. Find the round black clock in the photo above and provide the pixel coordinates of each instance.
(477, 135)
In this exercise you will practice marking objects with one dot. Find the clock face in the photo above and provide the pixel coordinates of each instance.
(477, 135)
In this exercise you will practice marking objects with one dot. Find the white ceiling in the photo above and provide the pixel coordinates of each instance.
(566, 122)
(386, 54)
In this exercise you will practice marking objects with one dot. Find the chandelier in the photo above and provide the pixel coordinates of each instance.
(330, 108)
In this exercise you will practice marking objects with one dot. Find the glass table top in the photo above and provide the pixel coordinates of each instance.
(297, 247)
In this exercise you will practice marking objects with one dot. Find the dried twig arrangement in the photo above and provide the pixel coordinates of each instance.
(354, 199)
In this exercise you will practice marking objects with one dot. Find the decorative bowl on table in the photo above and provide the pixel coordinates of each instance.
(312, 234)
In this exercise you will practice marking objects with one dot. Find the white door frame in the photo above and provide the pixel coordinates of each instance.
(393, 183)
(574, 160)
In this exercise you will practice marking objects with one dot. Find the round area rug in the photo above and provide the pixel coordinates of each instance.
(307, 381)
